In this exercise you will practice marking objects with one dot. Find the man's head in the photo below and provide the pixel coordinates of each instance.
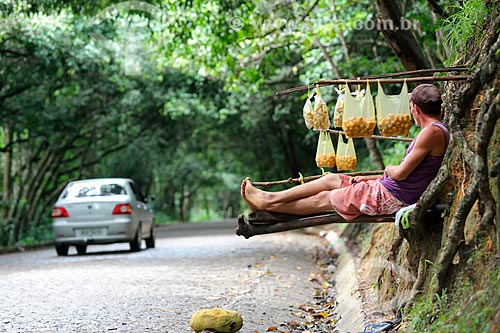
(428, 98)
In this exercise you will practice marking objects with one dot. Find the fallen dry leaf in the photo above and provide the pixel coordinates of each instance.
(323, 315)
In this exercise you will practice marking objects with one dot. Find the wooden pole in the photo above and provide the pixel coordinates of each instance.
(310, 178)
(417, 72)
(398, 80)
(324, 83)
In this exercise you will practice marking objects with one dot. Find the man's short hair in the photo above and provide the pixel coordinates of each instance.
(428, 98)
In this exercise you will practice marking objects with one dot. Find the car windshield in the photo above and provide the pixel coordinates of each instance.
(82, 190)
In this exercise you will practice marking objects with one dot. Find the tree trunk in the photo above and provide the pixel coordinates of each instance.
(400, 36)
(476, 105)
(375, 154)
(7, 177)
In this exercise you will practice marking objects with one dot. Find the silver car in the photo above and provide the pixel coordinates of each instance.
(101, 211)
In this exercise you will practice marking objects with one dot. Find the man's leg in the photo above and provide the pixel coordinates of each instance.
(262, 200)
(317, 203)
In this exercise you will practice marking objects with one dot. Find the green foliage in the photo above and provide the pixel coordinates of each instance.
(41, 234)
(461, 28)
(161, 218)
(6, 227)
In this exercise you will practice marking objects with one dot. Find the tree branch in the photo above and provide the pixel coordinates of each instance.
(436, 9)
(327, 56)
(16, 91)
(340, 33)
(13, 53)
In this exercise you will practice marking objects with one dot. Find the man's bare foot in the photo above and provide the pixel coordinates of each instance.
(254, 197)
(246, 182)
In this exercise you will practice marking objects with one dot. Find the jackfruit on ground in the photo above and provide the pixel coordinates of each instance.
(220, 320)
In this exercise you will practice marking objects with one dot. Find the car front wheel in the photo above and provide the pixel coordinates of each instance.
(135, 244)
(62, 249)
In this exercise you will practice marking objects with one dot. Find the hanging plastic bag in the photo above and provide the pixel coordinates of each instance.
(338, 113)
(325, 153)
(308, 112)
(346, 155)
(321, 115)
(359, 114)
(393, 112)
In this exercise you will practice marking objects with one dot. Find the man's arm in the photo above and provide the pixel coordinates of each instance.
(425, 143)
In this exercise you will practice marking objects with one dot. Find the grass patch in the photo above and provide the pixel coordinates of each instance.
(473, 305)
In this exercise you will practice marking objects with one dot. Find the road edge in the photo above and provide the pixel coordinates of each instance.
(351, 317)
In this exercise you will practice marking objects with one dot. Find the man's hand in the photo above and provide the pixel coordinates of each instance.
(359, 179)
(392, 172)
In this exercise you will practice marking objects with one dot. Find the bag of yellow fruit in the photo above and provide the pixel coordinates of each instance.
(393, 112)
(307, 112)
(359, 114)
(325, 153)
(321, 115)
(346, 155)
(338, 113)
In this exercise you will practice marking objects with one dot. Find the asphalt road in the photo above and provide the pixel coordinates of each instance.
(194, 266)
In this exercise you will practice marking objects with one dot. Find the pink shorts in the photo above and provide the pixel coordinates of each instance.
(363, 198)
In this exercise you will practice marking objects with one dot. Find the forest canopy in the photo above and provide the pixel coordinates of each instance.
(180, 95)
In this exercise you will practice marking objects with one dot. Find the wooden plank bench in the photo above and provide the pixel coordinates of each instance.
(264, 222)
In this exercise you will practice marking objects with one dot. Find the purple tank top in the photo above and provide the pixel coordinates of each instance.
(409, 190)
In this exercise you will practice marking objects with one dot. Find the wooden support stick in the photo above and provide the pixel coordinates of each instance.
(309, 178)
(377, 137)
(324, 83)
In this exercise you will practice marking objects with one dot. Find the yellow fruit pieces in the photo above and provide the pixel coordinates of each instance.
(308, 113)
(325, 160)
(321, 120)
(359, 127)
(338, 114)
(393, 125)
(220, 320)
(346, 163)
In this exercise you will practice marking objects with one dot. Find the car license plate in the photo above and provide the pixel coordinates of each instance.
(88, 232)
